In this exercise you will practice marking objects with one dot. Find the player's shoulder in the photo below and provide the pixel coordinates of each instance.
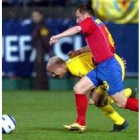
(87, 21)
(97, 21)
(87, 54)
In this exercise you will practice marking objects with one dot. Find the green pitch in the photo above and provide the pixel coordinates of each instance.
(40, 116)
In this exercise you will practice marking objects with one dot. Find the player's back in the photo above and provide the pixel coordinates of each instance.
(98, 39)
(83, 64)
(80, 65)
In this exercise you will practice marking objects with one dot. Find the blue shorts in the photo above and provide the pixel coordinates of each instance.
(109, 71)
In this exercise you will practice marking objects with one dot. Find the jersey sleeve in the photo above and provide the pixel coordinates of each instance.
(87, 26)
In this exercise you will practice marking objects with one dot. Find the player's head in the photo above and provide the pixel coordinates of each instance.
(82, 12)
(57, 67)
(37, 16)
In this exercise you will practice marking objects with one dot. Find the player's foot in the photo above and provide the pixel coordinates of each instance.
(75, 126)
(118, 128)
(134, 92)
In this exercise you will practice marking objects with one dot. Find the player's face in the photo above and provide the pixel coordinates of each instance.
(58, 72)
(36, 17)
(79, 16)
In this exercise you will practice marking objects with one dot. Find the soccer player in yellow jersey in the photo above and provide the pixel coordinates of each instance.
(80, 66)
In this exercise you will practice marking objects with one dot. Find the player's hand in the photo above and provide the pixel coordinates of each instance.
(72, 54)
(53, 40)
(124, 62)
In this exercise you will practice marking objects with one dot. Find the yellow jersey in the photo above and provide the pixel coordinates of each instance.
(83, 64)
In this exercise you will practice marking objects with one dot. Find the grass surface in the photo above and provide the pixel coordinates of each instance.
(40, 116)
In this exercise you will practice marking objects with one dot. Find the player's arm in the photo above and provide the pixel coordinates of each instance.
(84, 50)
(74, 53)
(71, 31)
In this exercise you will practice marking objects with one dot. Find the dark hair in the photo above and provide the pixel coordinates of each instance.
(85, 8)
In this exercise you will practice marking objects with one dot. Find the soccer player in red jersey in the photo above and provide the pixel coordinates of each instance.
(108, 71)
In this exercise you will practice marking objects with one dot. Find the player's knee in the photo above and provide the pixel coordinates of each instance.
(120, 99)
(77, 89)
(121, 104)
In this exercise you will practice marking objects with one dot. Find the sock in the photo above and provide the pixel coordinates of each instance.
(132, 104)
(127, 93)
(81, 106)
(110, 112)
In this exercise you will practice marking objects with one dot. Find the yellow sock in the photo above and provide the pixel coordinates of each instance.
(110, 112)
(127, 93)
(110, 100)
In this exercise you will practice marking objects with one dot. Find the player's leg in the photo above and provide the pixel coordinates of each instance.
(117, 94)
(119, 122)
(124, 102)
(80, 89)
(100, 100)
(113, 75)
(85, 84)
(127, 93)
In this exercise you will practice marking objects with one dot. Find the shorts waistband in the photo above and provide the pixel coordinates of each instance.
(110, 58)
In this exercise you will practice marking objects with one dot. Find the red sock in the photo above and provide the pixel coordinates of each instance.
(132, 104)
(81, 106)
